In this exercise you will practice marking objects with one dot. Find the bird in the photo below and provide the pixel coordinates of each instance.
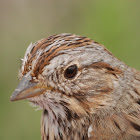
(84, 91)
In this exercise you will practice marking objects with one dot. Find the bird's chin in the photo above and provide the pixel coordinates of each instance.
(36, 102)
(45, 101)
(35, 106)
(51, 102)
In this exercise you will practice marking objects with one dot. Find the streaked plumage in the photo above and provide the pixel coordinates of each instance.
(100, 101)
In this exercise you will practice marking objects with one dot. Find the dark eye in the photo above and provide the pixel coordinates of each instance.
(70, 72)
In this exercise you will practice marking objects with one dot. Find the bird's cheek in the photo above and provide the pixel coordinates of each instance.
(77, 107)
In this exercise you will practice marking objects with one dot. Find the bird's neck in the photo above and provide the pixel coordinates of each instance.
(122, 121)
(53, 127)
(119, 122)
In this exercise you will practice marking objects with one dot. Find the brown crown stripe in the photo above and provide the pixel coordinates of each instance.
(56, 49)
(47, 53)
(51, 54)
(33, 54)
(81, 38)
(40, 43)
(45, 57)
(47, 41)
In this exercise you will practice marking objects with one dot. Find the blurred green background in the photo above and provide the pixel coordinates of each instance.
(116, 24)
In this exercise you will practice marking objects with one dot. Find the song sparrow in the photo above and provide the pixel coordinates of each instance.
(85, 92)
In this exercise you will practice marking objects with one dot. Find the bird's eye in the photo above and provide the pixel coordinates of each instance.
(71, 71)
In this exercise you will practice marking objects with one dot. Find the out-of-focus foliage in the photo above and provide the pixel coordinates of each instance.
(112, 23)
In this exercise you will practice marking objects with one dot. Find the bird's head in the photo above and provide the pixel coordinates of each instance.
(67, 71)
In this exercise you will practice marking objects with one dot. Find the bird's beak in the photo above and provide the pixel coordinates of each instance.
(27, 89)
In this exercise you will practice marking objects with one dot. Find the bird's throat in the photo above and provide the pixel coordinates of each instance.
(53, 127)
